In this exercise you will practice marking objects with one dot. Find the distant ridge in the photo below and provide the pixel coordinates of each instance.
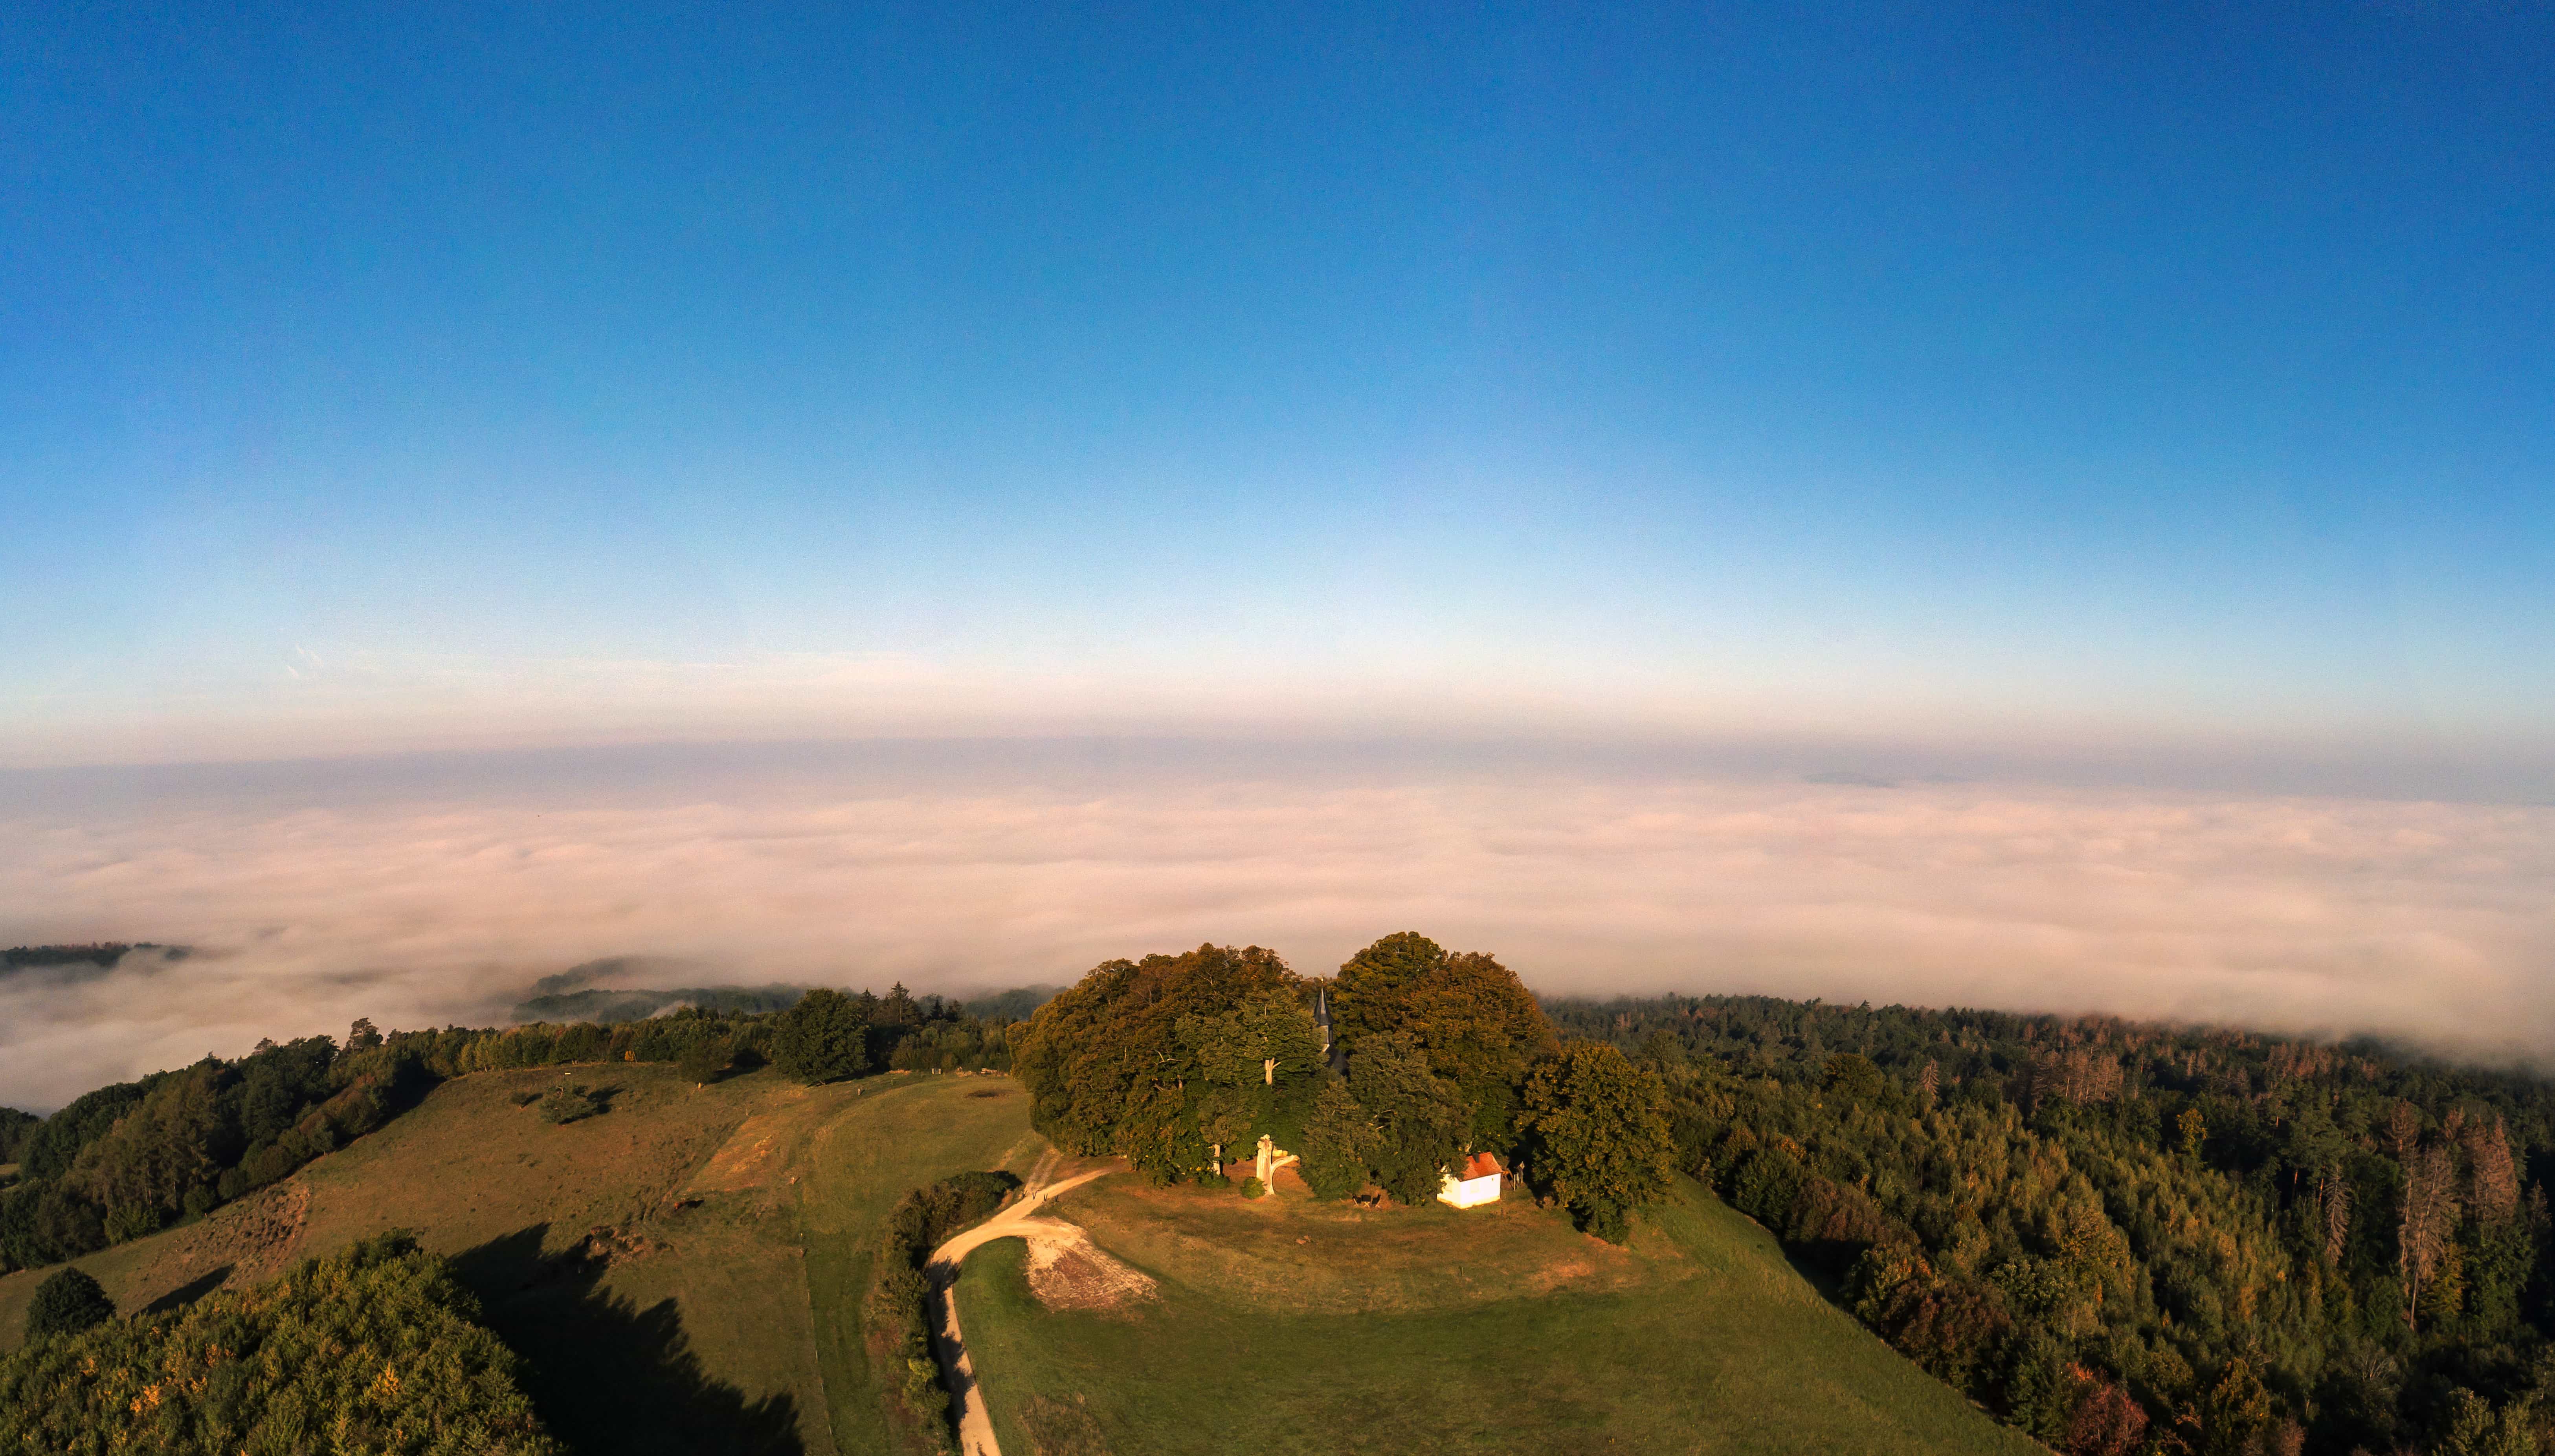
(82, 960)
(612, 1006)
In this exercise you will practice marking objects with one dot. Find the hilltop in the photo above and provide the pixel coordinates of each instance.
(686, 1270)
(1289, 1325)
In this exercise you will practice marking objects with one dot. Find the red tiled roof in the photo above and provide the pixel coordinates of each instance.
(1480, 1165)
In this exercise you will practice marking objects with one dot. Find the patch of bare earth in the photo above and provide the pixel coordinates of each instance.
(254, 1239)
(1070, 1273)
(604, 1247)
(747, 1158)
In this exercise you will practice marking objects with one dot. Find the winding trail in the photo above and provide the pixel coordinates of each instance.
(975, 1420)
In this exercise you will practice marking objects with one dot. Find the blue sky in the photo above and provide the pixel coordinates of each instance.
(409, 377)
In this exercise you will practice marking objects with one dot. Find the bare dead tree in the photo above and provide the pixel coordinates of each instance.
(2430, 1217)
(2335, 1193)
(2492, 1182)
(2403, 1130)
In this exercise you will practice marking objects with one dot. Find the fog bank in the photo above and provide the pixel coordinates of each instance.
(2321, 915)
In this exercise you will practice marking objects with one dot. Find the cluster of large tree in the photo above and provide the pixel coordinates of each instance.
(1176, 1061)
(374, 1349)
(828, 1035)
(102, 956)
(2126, 1237)
(1182, 1062)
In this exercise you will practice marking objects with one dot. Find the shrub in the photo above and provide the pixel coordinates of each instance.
(1763, 1184)
(131, 1221)
(65, 1304)
(703, 1060)
(567, 1104)
(899, 1309)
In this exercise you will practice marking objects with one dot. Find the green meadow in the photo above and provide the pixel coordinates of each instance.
(1285, 1326)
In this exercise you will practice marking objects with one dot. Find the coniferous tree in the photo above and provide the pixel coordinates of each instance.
(824, 1037)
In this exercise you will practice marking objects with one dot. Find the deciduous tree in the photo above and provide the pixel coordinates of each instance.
(1420, 1121)
(1597, 1134)
(1338, 1140)
(1107, 1067)
(65, 1303)
(1477, 1025)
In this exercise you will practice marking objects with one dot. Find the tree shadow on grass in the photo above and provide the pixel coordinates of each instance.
(190, 1291)
(607, 1375)
(1825, 1268)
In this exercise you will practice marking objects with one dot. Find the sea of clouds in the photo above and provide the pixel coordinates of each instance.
(414, 902)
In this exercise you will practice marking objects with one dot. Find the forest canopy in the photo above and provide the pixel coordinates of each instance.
(2126, 1237)
(377, 1349)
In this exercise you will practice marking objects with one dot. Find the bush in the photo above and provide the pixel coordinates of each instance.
(1763, 1184)
(131, 1221)
(925, 1216)
(1252, 1188)
(703, 1060)
(65, 1304)
(899, 1310)
(568, 1104)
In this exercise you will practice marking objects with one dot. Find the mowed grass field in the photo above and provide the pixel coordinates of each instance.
(717, 1310)
(857, 1168)
(1286, 1326)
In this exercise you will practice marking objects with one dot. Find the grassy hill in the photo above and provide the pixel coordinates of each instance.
(685, 1273)
(1286, 1325)
(683, 1270)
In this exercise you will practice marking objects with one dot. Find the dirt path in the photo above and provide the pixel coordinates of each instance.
(975, 1421)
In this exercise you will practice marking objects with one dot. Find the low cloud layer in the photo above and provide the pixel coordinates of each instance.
(2427, 920)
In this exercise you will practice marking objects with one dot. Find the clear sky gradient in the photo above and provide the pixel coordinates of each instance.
(419, 376)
